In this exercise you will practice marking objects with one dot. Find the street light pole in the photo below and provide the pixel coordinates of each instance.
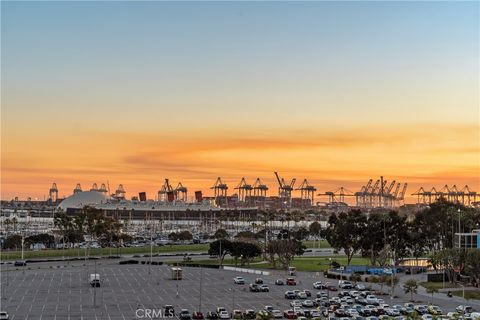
(23, 241)
(151, 249)
(200, 301)
(233, 299)
(459, 236)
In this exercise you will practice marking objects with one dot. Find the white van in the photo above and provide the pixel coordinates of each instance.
(95, 280)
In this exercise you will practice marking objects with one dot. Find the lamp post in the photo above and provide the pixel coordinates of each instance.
(200, 300)
(233, 299)
(459, 236)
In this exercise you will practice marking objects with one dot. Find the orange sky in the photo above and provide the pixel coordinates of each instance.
(428, 155)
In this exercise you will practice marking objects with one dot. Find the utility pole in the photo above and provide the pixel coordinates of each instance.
(151, 246)
(95, 286)
(200, 300)
(459, 236)
(23, 241)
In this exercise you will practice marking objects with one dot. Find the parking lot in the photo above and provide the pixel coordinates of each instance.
(62, 291)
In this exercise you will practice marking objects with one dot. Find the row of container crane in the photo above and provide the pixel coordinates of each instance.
(256, 194)
(464, 196)
(371, 195)
(380, 193)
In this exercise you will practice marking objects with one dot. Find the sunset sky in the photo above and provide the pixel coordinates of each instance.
(136, 92)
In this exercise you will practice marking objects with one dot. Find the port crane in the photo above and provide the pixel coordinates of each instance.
(181, 192)
(244, 191)
(220, 191)
(285, 190)
(337, 195)
(78, 188)
(452, 194)
(259, 192)
(166, 193)
(53, 193)
(307, 193)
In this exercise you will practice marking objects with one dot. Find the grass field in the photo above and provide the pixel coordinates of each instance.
(302, 264)
(76, 252)
(315, 263)
(437, 285)
(469, 294)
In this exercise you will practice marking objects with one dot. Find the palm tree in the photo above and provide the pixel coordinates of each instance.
(410, 286)
(14, 222)
(7, 223)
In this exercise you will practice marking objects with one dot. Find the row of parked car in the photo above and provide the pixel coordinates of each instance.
(348, 301)
(357, 302)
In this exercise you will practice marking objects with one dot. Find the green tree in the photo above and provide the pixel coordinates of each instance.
(284, 251)
(346, 231)
(472, 264)
(410, 286)
(46, 239)
(245, 251)
(300, 234)
(13, 242)
(373, 244)
(220, 248)
(315, 228)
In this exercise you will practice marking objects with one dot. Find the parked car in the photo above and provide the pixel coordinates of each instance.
(268, 308)
(279, 282)
(197, 315)
(239, 280)
(290, 295)
(318, 285)
(185, 314)
(223, 315)
(291, 282)
(360, 287)
(301, 295)
(343, 284)
(307, 304)
(20, 263)
(220, 309)
(289, 314)
(4, 315)
(212, 315)
(307, 292)
(277, 314)
(434, 310)
(254, 287)
(464, 309)
(237, 314)
(249, 314)
(264, 288)
(259, 281)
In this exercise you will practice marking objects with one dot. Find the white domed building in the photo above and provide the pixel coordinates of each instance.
(81, 199)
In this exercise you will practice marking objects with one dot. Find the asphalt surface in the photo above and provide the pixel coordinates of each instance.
(61, 290)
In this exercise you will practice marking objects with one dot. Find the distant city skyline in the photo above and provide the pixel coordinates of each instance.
(335, 92)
